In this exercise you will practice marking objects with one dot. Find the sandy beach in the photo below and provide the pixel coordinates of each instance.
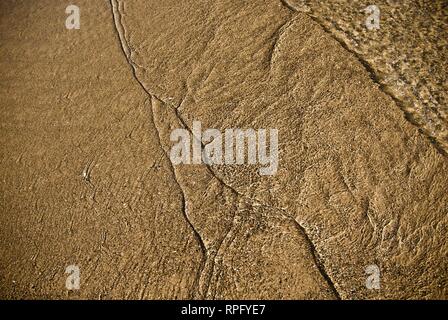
(356, 208)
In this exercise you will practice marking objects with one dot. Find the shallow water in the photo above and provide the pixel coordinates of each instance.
(408, 54)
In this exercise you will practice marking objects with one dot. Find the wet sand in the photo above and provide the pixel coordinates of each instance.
(87, 179)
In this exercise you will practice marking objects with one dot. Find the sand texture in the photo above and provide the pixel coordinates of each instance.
(86, 177)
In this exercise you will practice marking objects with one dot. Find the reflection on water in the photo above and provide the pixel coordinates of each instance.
(408, 53)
